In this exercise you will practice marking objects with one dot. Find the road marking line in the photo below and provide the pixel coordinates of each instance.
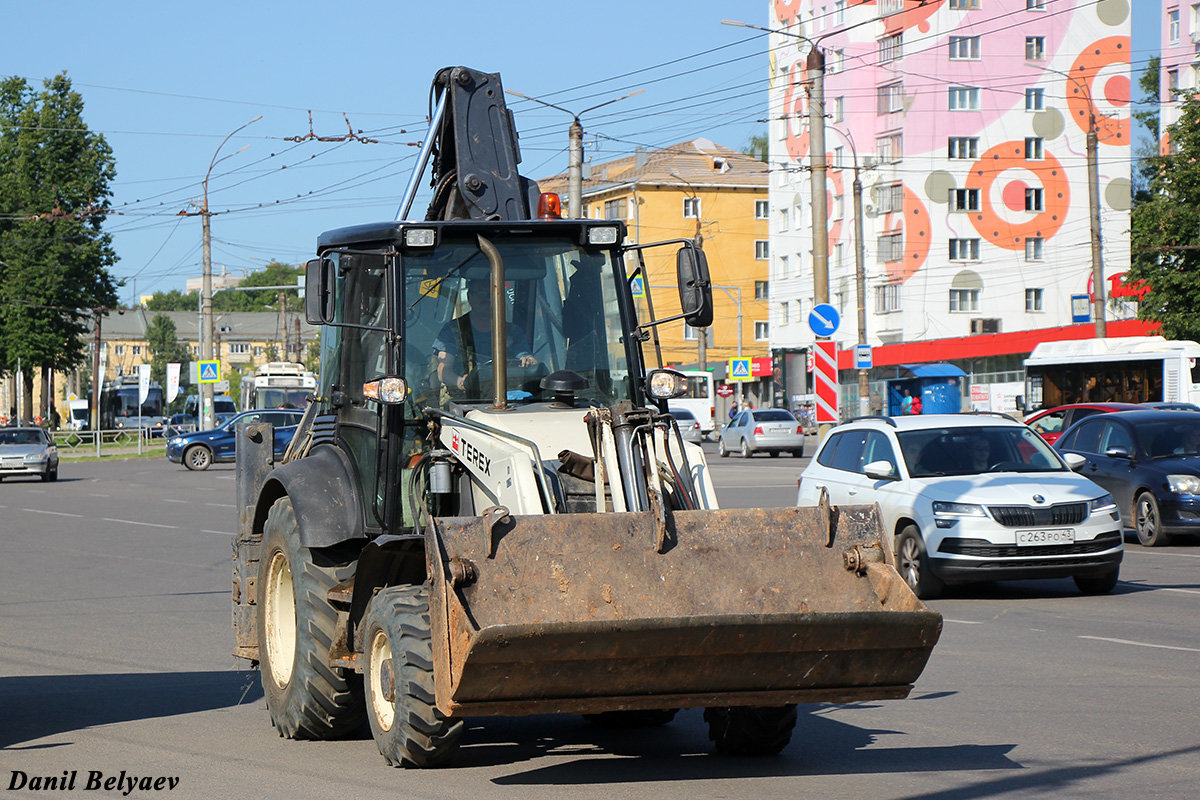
(170, 500)
(134, 522)
(99, 495)
(55, 513)
(221, 533)
(1142, 644)
(1181, 591)
(1129, 552)
(964, 621)
(221, 505)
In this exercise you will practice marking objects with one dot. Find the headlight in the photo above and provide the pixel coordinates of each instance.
(36, 456)
(176, 440)
(388, 391)
(1184, 484)
(665, 384)
(1103, 502)
(957, 509)
(602, 235)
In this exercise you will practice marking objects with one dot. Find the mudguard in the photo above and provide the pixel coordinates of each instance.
(325, 493)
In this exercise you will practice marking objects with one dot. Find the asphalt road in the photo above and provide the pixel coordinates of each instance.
(114, 655)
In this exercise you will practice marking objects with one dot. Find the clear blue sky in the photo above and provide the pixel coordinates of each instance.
(166, 82)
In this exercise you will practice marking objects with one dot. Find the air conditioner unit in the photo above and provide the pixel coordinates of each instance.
(985, 326)
(1195, 37)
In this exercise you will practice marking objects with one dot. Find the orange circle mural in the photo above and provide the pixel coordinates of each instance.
(1082, 90)
(795, 110)
(913, 222)
(993, 167)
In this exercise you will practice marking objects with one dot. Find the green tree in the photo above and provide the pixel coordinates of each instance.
(757, 147)
(1146, 148)
(165, 348)
(55, 176)
(1166, 231)
(174, 300)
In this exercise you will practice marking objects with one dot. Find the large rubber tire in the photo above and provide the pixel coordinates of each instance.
(1102, 584)
(651, 718)
(1147, 521)
(912, 562)
(398, 672)
(306, 698)
(197, 457)
(741, 731)
(50, 474)
(721, 451)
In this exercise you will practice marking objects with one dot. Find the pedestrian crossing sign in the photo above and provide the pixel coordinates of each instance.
(739, 369)
(637, 287)
(210, 371)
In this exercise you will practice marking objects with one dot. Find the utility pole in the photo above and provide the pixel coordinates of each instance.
(1093, 162)
(860, 276)
(283, 332)
(816, 153)
(575, 156)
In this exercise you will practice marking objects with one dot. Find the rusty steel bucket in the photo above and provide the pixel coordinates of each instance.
(580, 613)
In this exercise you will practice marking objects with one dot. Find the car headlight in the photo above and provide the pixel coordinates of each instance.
(1184, 484)
(36, 456)
(957, 509)
(176, 440)
(1103, 502)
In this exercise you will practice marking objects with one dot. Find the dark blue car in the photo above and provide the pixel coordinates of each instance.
(1150, 462)
(200, 449)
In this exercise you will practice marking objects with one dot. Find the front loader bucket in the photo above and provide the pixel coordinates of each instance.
(580, 613)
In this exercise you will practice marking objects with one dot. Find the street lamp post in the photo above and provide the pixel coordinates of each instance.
(207, 334)
(860, 277)
(575, 158)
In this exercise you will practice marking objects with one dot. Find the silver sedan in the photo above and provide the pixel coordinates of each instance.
(28, 451)
(689, 426)
(770, 430)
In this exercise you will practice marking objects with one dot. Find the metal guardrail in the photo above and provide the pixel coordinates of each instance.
(122, 441)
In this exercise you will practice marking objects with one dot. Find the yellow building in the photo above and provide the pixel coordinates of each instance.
(695, 189)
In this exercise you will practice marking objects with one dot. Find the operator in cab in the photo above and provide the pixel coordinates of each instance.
(463, 347)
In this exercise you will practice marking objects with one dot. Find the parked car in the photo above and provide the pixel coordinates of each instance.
(689, 426)
(970, 497)
(1050, 424)
(1172, 406)
(28, 451)
(1150, 462)
(201, 449)
(770, 430)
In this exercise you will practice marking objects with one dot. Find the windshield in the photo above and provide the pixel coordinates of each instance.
(975, 449)
(22, 437)
(560, 312)
(1170, 438)
(125, 404)
(279, 397)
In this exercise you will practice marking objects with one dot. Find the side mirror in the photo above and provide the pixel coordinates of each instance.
(1117, 452)
(318, 291)
(1074, 460)
(695, 289)
(880, 471)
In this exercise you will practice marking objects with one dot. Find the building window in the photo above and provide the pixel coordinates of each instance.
(258, 351)
(1033, 299)
(1033, 249)
(838, 109)
(839, 12)
(783, 266)
(889, 199)
(963, 5)
(762, 290)
(1033, 199)
(964, 299)
(964, 199)
(762, 250)
(887, 298)
(964, 249)
(964, 48)
(691, 208)
(889, 99)
(839, 158)
(1035, 99)
(889, 148)
(964, 98)
(614, 209)
(762, 209)
(839, 252)
(1035, 5)
(1172, 83)
(137, 349)
(839, 206)
(835, 60)
(119, 350)
(964, 147)
(890, 247)
(761, 331)
(1035, 48)
(889, 48)
(1034, 150)
(1173, 25)
(783, 313)
(784, 220)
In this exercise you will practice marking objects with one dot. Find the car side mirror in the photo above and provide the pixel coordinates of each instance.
(695, 289)
(1118, 452)
(1074, 460)
(880, 471)
(318, 291)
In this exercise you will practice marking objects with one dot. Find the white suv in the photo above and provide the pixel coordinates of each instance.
(970, 497)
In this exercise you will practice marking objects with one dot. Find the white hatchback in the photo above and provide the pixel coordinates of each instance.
(970, 497)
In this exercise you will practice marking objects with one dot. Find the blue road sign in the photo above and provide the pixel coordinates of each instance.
(210, 371)
(862, 356)
(824, 319)
(739, 369)
(1081, 308)
(637, 287)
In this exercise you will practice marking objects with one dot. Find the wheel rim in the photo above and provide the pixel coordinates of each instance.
(745, 450)
(382, 708)
(198, 457)
(280, 613)
(910, 562)
(1147, 519)
(721, 446)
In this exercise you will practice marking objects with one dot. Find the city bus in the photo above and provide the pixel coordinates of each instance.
(278, 384)
(119, 405)
(700, 399)
(1132, 369)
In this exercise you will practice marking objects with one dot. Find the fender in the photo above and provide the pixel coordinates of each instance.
(325, 493)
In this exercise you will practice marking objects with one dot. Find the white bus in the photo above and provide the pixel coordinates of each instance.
(1132, 369)
(700, 399)
(278, 384)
